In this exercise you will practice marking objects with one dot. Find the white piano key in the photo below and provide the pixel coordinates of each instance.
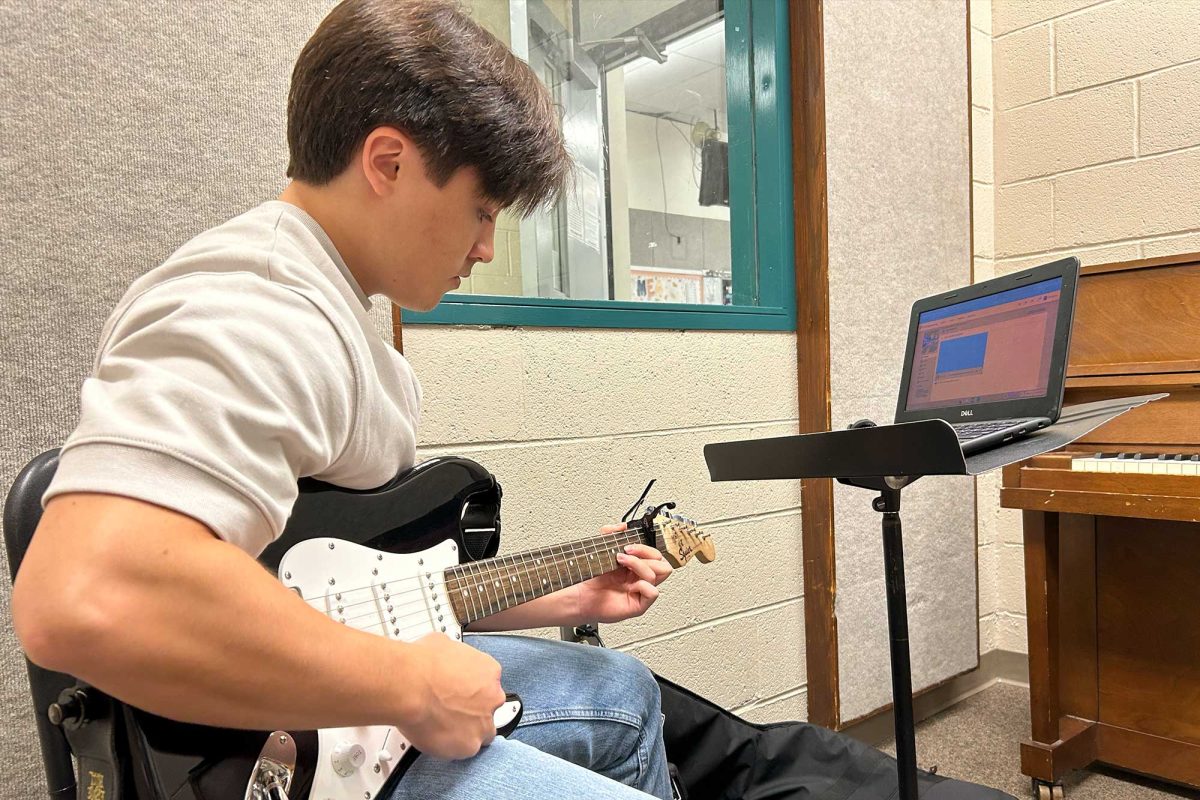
(1143, 464)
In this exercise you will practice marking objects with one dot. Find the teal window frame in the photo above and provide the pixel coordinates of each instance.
(761, 209)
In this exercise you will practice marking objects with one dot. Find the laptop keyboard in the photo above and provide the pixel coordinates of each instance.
(974, 430)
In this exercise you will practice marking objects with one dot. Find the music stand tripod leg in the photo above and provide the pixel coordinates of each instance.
(888, 502)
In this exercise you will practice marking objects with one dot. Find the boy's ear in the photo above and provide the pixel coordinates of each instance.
(386, 153)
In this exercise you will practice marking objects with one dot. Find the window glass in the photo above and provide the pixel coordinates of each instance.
(641, 87)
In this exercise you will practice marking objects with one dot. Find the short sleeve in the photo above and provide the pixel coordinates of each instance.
(211, 396)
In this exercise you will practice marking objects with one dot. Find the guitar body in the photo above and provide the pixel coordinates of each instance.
(399, 596)
(442, 512)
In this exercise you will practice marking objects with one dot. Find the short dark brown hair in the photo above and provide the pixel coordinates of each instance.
(428, 69)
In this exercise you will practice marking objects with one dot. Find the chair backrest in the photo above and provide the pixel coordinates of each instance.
(22, 512)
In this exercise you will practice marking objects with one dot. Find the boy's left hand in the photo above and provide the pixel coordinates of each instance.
(627, 591)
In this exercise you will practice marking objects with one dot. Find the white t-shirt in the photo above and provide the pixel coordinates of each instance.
(242, 363)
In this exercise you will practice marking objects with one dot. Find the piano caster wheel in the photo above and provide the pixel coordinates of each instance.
(1047, 791)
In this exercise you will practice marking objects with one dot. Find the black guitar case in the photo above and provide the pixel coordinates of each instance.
(720, 756)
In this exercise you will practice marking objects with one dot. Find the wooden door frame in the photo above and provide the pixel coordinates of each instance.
(807, 43)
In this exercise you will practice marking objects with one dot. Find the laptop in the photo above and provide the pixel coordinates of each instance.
(991, 358)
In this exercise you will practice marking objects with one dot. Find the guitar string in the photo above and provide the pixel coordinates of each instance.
(514, 572)
(488, 573)
(494, 590)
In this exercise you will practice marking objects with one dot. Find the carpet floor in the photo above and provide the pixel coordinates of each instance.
(976, 740)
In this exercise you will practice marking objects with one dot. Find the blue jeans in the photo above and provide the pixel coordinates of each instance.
(591, 729)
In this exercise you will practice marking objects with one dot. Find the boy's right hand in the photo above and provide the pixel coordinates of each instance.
(453, 691)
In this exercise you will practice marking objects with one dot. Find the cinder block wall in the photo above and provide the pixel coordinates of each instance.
(1097, 148)
(1096, 153)
(574, 423)
(999, 530)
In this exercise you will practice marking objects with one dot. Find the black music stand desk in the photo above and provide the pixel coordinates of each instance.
(885, 459)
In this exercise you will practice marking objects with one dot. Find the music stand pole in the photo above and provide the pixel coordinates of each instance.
(897, 607)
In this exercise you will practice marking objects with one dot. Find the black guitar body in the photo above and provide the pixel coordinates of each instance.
(443, 498)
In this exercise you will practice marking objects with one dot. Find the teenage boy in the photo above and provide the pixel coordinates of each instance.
(247, 360)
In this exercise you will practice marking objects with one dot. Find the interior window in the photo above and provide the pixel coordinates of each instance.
(641, 89)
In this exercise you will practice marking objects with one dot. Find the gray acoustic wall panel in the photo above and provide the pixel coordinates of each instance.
(899, 229)
(128, 127)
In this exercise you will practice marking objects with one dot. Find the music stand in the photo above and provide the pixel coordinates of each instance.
(885, 459)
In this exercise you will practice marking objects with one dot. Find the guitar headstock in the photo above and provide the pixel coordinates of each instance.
(679, 538)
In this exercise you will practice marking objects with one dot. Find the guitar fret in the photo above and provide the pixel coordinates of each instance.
(493, 589)
(574, 562)
(504, 578)
(507, 583)
(508, 580)
(524, 580)
(474, 589)
(560, 564)
(451, 576)
(542, 572)
(485, 588)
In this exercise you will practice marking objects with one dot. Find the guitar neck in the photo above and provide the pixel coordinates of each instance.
(482, 588)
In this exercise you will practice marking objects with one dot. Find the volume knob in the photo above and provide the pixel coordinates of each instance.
(348, 757)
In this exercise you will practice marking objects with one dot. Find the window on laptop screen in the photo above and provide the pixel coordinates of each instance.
(990, 349)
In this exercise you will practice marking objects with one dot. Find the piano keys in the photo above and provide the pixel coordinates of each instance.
(1139, 463)
(1112, 538)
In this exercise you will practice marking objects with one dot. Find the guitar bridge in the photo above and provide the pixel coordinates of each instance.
(271, 777)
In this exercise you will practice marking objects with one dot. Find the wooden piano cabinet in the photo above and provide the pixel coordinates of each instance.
(1112, 560)
(1113, 608)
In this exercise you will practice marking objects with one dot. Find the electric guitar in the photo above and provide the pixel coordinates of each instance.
(396, 581)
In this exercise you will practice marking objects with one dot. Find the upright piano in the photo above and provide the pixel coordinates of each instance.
(1112, 539)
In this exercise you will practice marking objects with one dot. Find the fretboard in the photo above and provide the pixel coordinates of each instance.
(482, 588)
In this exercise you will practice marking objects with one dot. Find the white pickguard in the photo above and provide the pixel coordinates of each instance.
(398, 596)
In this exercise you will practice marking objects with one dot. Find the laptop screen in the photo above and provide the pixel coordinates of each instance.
(990, 349)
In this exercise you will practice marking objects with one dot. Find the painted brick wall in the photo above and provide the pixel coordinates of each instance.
(1097, 150)
(1001, 603)
(1088, 144)
(574, 422)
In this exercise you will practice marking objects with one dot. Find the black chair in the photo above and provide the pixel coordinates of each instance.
(22, 512)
